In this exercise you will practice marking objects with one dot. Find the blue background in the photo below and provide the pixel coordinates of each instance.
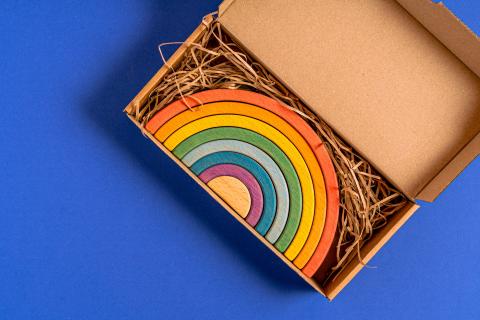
(96, 223)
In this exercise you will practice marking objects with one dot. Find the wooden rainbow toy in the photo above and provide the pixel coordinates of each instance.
(264, 161)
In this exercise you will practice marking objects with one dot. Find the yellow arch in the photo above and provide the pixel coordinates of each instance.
(313, 216)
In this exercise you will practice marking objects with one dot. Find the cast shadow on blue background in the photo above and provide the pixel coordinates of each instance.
(104, 107)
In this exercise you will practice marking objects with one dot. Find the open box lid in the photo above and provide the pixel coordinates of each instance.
(402, 87)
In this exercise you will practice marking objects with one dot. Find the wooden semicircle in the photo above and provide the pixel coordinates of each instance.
(233, 192)
(309, 263)
(266, 184)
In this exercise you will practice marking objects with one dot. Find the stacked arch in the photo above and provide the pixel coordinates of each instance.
(264, 161)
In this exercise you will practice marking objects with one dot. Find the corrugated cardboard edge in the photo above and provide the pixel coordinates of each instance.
(224, 6)
(465, 45)
(369, 250)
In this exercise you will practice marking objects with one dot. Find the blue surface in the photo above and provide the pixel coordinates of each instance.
(96, 222)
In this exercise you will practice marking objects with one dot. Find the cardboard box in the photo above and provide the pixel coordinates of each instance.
(397, 80)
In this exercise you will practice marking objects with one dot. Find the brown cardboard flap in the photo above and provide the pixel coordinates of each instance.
(387, 85)
(442, 23)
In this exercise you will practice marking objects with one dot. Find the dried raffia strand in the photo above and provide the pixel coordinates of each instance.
(366, 199)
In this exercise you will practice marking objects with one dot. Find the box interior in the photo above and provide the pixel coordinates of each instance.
(376, 75)
(448, 29)
(332, 288)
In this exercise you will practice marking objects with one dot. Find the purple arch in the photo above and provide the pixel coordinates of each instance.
(247, 179)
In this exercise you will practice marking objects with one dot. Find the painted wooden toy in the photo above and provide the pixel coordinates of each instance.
(264, 161)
